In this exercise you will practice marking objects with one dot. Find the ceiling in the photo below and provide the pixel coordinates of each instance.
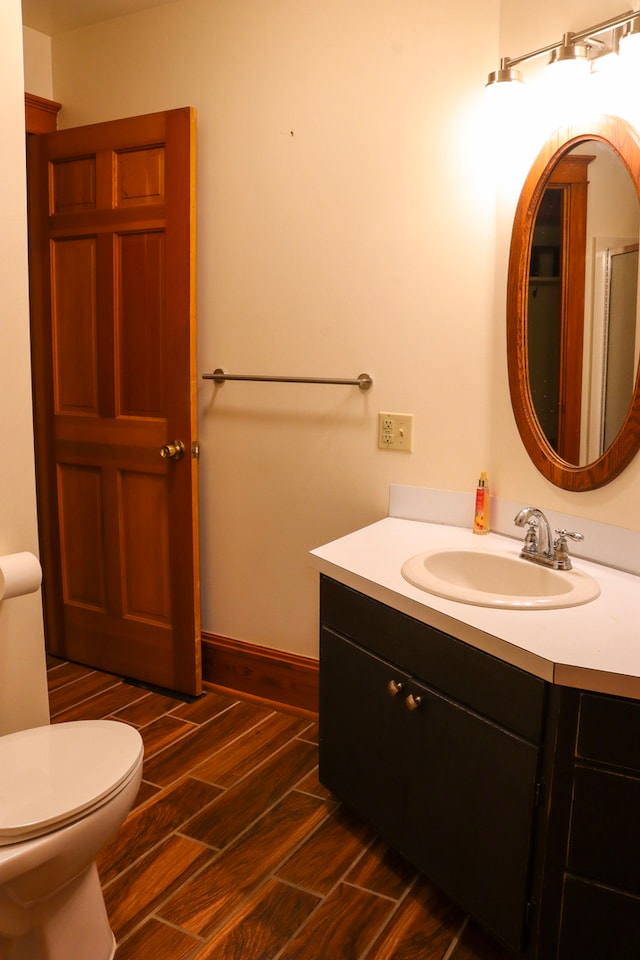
(55, 16)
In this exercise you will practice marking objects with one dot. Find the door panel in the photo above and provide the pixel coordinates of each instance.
(81, 544)
(111, 219)
(73, 185)
(74, 328)
(140, 326)
(143, 498)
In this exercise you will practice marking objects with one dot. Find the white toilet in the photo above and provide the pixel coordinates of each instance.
(65, 789)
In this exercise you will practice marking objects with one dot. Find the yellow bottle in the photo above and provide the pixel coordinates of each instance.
(481, 516)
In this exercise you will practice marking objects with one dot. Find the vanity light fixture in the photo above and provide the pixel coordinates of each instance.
(628, 76)
(504, 86)
(570, 57)
(505, 74)
(577, 51)
(630, 39)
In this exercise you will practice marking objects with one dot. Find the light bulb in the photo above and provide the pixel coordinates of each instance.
(566, 82)
(630, 43)
(629, 72)
(504, 94)
(605, 83)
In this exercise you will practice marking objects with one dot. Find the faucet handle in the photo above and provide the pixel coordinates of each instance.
(563, 534)
(560, 550)
(531, 536)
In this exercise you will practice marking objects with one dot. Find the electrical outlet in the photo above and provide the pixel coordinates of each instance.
(395, 431)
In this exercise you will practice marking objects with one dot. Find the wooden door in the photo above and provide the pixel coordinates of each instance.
(111, 212)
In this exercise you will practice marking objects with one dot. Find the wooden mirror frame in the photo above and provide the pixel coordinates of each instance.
(624, 140)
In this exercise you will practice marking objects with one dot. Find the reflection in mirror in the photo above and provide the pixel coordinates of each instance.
(573, 305)
(619, 267)
(544, 314)
(582, 306)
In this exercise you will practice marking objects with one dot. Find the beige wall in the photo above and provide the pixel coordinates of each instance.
(23, 700)
(346, 223)
(37, 63)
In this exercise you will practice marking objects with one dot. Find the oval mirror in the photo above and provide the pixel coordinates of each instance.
(573, 317)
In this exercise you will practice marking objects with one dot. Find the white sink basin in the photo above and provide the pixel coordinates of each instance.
(498, 579)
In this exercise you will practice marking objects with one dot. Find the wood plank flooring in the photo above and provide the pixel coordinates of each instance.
(235, 851)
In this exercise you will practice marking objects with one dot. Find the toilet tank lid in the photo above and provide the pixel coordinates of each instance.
(50, 773)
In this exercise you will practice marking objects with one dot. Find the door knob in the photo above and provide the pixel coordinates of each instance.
(413, 703)
(172, 451)
(394, 687)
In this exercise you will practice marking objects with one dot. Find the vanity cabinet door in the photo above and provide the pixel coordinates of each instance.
(471, 804)
(450, 790)
(362, 732)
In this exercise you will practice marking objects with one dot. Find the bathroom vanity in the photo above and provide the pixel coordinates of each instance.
(511, 777)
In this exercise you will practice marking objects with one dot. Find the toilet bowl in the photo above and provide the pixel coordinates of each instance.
(65, 789)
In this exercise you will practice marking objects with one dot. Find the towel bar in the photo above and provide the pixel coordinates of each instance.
(364, 381)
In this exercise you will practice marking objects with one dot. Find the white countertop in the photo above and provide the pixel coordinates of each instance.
(595, 646)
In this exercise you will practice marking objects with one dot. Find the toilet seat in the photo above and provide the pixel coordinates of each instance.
(55, 774)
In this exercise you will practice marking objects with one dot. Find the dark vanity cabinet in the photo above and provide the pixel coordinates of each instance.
(599, 883)
(520, 799)
(438, 745)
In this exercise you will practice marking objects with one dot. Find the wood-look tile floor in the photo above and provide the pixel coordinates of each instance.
(235, 851)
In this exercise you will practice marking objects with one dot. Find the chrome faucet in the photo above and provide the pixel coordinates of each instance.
(539, 546)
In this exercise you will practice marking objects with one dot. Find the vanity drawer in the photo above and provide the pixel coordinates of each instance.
(598, 923)
(604, 837)
(497, 690)
(609, 730)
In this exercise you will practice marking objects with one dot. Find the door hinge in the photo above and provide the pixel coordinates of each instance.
(530, 912)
